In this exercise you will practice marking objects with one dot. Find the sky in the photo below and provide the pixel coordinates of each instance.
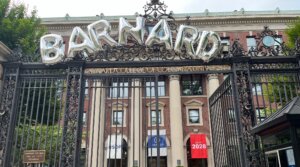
(75, 8)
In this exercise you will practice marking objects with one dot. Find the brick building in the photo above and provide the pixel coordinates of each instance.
(129, 111)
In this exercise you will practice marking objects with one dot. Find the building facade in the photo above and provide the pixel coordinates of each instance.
(124, 110)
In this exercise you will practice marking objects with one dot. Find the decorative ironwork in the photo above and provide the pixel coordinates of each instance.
(69, 149)
(156, 10)
(236, 49)
(247, 115)
(7, 101)
(268, 43)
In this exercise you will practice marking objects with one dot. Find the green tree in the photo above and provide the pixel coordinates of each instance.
(18, 28)
(293, 32)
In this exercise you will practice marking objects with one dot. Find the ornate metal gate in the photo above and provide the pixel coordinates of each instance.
(76, 113)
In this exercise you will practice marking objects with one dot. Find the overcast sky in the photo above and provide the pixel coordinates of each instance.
(59, 8)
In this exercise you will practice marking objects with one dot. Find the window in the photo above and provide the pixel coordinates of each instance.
(231, 115)
(225, 41)
(86, 90)
(260, 114)
(194, 117)
(257, 89)
(278, 40)
(251, 43)
(154, 117)
(150, 88)
(117, 117)
(84, 119)
(191, 85)
(119, 89)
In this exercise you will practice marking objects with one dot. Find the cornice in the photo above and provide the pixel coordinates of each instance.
(200, 21)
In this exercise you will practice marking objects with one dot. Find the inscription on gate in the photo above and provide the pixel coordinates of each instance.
(34, 156)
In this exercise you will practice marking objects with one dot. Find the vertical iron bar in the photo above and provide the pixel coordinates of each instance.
(61, 87)
(93, 123)
(79, 117)
(19, 120)
(53, 123)
(157, 123)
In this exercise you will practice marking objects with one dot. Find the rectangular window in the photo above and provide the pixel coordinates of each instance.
(251, 43)
(191, 85)
(86, 89)
(119, 90)
(150, 88)
(260, 114)
(231, 115)
(257, 89)
(117, 117)
(278, 40)
(194, 116)
(84, 119)
(154, 116)
(225, 41)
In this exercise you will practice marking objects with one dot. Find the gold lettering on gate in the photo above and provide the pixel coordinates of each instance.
(153, 70)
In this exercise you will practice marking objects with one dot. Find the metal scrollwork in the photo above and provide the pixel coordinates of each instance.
(236, 49)
(247, 115)
(268, 43)
(5, 109)
(71, 118)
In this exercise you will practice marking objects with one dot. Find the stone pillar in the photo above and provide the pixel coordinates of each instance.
(135, 149)
(213, 83)
(176, 121)
(96, 138)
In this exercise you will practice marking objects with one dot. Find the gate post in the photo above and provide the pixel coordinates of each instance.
(8, 113)
(72, 123)
(239, 87)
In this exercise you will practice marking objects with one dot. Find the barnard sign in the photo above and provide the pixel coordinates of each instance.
(98, 34)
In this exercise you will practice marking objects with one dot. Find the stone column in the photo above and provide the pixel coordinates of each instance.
(213, 83)
(135, 150)
(96, 138)
(176, 121)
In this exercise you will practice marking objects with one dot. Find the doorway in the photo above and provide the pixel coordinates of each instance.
(194, 162)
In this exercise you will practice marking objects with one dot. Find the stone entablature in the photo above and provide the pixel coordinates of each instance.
(196, 19)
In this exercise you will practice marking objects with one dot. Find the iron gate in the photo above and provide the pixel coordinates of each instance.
(77, 119)
(76, 115)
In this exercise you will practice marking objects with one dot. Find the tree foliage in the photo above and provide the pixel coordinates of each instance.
(18, 28)
(293, 32)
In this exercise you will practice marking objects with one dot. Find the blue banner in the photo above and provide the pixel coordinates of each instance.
(152, 142)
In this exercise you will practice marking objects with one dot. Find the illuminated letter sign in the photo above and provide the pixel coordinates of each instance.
(198, 145)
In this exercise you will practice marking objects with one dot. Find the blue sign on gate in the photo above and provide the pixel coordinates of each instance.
(152, 142)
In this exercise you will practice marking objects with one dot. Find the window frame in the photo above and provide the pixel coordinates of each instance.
(113, 118)
(119, 88)
(151, 106)
(194, 105)
(250, 44)
(191, 78)
(159, 117)
(151, 88)
(258, 114)
(118, 106)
